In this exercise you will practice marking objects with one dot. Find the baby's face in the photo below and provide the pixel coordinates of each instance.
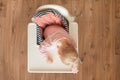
(69, 60)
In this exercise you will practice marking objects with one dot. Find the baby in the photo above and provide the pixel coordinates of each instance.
(54, 34)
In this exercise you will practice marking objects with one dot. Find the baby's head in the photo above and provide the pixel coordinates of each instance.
(67, 52)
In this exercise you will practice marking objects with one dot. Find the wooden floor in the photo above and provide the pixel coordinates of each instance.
(99, 39)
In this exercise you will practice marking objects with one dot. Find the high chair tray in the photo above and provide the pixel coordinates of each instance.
(36, 62)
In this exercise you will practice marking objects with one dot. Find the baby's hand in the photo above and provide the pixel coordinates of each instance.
(75, 67)
(44, 51)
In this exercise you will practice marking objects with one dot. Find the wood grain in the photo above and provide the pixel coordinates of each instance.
(99, 39)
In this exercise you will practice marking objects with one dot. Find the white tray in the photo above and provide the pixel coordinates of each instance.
(37, 63)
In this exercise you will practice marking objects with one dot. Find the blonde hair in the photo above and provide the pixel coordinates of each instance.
(67, 52)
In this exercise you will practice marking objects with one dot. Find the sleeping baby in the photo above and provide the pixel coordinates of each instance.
(54, 32)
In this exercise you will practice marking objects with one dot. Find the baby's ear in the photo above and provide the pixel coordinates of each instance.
(59, 43)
